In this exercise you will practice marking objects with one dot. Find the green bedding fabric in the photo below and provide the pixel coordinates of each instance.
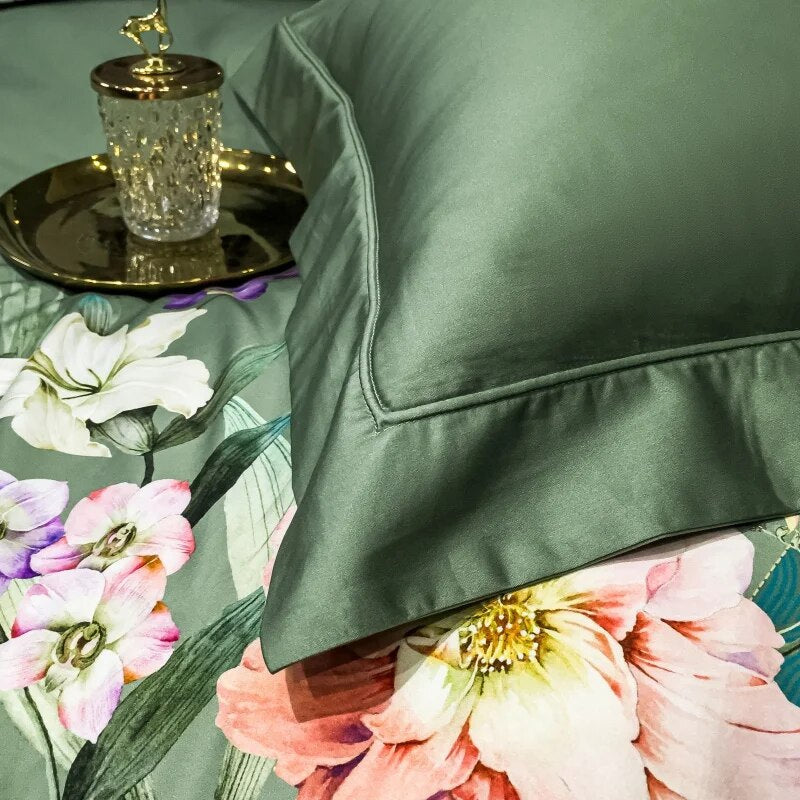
(549, 263)
(145, 488)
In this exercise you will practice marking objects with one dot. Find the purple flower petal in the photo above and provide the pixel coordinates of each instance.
(17, 548)
(5, 479)
(251, 290)
(179, 301)
(31, 503)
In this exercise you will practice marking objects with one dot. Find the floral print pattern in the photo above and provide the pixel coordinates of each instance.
(658, 676)
(77, 377)
(85, 633)
(600, 684)
(123, 520)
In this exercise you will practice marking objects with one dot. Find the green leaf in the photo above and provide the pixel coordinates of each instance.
(154, 715)
(256, 502)
(27, 310)
(246, 365)
(130, 432)
(228, 461)
(242, 776)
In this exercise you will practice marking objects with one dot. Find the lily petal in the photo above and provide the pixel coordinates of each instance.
(12, 400)
(31, 503)
(24, 659)
(60, 600)
(146, 648)
(79, 357)
(6, 478)
(153, 336)
(88, 701)
(133, 586)
(173, 382)
(9, 370)
(47, 423)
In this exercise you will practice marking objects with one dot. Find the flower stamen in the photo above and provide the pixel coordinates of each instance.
(115, 541)
(503, 633)
(80, 644)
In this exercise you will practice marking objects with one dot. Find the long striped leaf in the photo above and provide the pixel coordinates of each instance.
(154, 715)
(256, 502)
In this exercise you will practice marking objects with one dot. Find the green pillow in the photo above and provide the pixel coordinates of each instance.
(550, 302)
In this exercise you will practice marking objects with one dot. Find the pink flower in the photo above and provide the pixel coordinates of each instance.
(646, 678)
(85, 633)
(123, 520)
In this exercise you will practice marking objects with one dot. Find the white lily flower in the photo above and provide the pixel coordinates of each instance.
(77, 376)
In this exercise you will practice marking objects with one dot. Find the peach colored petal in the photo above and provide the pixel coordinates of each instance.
(660, 792)
(743, 634)
(427, 693)
(306, 716)
(413, 771)
(323, 782)
(706, 686)
(711, 575)
(485, 784)
(697, 754)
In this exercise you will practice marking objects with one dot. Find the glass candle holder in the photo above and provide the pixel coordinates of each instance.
(161, 117)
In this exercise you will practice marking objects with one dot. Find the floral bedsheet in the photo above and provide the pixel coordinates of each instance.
(145, 475)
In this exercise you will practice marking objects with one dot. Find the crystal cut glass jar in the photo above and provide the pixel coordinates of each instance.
(163, 135)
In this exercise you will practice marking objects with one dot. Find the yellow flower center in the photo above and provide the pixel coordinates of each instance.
(503, 633)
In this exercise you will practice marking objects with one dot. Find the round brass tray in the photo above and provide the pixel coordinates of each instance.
(65, 225)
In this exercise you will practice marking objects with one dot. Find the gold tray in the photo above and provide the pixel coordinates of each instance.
(65, 225)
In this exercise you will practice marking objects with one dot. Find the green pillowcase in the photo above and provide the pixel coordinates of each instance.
(550, 300)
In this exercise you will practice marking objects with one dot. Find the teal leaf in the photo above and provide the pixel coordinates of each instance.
(242, 776)
(154, 715)
(779, 597)
(131, 432)
(256, 502)
(246, 365)
(97, 313)
(228, 461)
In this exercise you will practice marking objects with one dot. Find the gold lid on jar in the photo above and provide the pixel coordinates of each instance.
(162, 77)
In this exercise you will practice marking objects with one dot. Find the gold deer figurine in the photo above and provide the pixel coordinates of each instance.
(155, 21)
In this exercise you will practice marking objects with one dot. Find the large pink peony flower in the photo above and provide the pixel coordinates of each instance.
(85, 633)
(646, 678)
(120, 521)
